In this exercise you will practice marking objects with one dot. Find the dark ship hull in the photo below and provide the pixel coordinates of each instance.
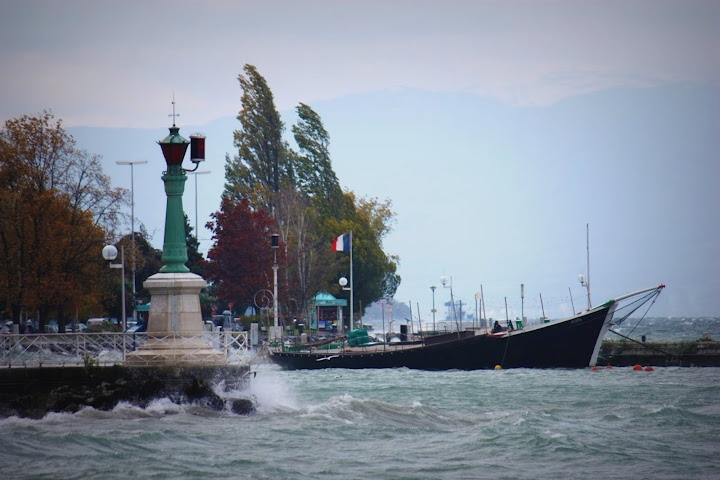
(570, 343)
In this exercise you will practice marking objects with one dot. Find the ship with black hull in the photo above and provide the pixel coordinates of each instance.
(573, 342)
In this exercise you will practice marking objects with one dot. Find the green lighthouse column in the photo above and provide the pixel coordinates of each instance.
(175, 332)
(174, 254)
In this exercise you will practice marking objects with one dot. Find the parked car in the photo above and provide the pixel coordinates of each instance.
(227, 322)
(97, 325)
(74, 327)
(137, 328)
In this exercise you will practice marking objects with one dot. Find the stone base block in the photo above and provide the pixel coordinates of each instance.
(149, 357)
(175, 328)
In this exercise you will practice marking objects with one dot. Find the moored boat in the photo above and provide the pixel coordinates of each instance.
(569, 343)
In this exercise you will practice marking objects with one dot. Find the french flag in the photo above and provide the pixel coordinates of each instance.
(342, 243)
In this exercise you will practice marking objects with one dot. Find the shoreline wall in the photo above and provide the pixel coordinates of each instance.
(34, 392)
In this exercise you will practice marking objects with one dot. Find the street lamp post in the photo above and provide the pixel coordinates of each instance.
(477, 297)
(433, 309)
(109, 252)
(444, 281)
(343, 282)
(132, 164)
(201, 172)
(275, 245)
(383, 303)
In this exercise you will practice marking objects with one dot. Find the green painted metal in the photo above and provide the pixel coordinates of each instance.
(174, 254)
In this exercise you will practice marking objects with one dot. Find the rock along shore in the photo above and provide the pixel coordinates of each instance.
(34, 392)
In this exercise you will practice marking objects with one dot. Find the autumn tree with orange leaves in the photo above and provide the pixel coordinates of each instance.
(56, 210)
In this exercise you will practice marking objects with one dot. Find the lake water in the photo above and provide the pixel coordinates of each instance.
(397, 424)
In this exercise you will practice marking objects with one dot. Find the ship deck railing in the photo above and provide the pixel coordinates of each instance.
(107, 349)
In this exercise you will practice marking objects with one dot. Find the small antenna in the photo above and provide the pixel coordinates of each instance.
(173, 114)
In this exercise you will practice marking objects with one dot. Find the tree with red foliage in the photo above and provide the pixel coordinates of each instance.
(241, 258)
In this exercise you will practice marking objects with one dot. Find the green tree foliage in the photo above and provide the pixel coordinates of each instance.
(241, 258)
(315, 175)
(261, 164)
(374, 273)
(148, 261)
(56, 207)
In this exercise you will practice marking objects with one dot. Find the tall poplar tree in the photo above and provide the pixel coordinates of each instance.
(261, 164)
(315, 175)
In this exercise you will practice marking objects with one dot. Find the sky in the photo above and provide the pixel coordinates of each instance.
(542, 89)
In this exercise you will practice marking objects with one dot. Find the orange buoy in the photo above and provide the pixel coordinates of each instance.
(637, 368)
(498, 367)
(608, 367)
(594, 369)
(649, 369)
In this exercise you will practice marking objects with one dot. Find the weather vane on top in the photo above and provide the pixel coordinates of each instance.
(173, 114)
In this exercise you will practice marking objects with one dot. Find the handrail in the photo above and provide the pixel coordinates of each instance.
(107, 349)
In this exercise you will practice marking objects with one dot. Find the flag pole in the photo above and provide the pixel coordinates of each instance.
(352, 303)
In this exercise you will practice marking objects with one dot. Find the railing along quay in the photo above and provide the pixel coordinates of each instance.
(106, 349)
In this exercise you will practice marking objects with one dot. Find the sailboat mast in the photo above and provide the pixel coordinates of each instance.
(482, 300)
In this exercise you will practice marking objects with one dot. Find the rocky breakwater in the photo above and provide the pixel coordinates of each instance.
(33, 392)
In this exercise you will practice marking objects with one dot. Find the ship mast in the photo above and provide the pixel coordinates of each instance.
(585, 282)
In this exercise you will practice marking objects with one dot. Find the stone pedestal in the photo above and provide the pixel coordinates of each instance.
(175, 328)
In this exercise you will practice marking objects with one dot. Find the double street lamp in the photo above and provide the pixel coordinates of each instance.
(196, 173)
(132, 164)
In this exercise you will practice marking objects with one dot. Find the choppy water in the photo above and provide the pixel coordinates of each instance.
(397, 424)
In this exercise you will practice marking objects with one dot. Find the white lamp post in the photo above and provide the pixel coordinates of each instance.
(274, 244)
(383, 303)
(433, 309)
(444, 281)
(343, 283)
(109, 252)
(132, 164)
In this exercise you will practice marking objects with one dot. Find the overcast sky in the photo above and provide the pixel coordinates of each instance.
(106, 63)
(118, 64)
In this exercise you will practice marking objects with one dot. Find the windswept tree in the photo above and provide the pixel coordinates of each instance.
(261, 164)
(315, 175)
(56, 209)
